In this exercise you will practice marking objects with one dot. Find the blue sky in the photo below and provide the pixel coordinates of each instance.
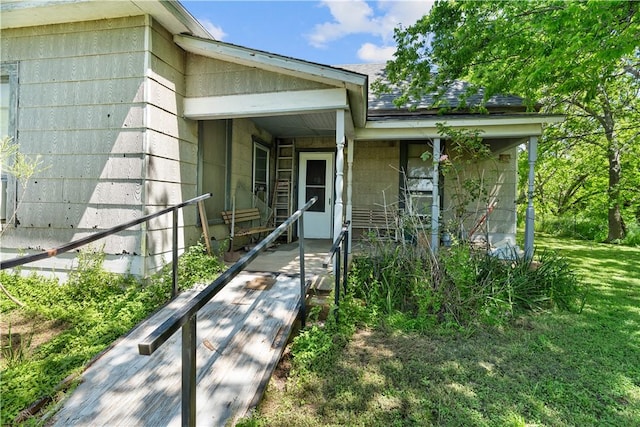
(328, 32)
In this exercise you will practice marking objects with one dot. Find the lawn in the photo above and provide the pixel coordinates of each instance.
(545, 368)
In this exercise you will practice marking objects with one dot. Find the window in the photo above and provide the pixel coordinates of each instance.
(416, 183)
(261, 172)
(8, 128)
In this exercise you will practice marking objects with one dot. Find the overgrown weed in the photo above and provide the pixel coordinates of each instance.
(97, 307)
(461, 285)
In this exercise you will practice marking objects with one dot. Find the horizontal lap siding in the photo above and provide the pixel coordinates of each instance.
(82, 109)
(375, 174)
(171, 150)
(212, 77)
(500, 178)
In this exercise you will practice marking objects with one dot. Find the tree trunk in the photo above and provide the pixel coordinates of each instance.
(617, 229)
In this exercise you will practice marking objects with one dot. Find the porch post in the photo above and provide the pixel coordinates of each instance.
(338, 208)
(435, 202)
(350, 148)
(530, 215)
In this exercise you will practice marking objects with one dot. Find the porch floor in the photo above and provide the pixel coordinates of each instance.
(241, 334)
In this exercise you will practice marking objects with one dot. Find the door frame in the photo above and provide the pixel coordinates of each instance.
(330, 156)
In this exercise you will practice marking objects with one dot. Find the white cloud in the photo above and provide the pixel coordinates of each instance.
(376, 19)
(353, 16)
(216, 31)
(369, 52)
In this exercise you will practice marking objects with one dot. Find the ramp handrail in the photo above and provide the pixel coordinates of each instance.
(15, 262)
(341, 244)
(186, 316)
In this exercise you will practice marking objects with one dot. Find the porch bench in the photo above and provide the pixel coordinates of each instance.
(374, 219)
(247, 216)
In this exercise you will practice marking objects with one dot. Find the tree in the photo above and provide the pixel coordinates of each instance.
(578, 58)
(13, 162)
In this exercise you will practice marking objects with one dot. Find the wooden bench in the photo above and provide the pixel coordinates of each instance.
(247, 216)
(385, 222)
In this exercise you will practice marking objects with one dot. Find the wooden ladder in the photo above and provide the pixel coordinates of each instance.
(283, 206)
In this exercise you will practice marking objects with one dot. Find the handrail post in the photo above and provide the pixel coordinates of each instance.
(346, 260)
(303, 286)
(336, 275)
(174, 267)
(189, 372)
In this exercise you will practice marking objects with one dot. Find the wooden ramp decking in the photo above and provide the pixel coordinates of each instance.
(241, 334)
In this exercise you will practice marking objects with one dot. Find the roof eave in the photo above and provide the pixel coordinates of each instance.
(354, 83)
(169, 13)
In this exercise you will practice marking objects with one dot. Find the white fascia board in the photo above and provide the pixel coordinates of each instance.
(173, 16)
(490, 127)
(170, 13)
(270, 62)
(265, 104)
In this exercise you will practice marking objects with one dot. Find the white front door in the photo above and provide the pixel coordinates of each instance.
(316, 179)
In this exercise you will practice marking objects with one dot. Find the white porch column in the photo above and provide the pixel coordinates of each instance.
(530, 215)
(350, 148)
(435, 202)
(338, 208)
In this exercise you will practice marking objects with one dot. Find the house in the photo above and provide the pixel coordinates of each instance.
(133, 106)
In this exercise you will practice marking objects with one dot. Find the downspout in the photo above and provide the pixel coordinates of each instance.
(350, 148)
(530, 215)
(435, 201)
(338, 210)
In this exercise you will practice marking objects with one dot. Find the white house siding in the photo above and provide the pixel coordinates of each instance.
(376, 167)
(81, 107)
(170, 150)
(101, 102)
(212, 77)
(500, 179)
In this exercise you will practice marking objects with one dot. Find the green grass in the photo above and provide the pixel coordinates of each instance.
(546, 368)
(91, 310)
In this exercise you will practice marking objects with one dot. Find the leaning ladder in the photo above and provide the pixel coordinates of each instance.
(283, 205)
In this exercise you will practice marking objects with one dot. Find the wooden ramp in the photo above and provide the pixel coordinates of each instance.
(241, 334)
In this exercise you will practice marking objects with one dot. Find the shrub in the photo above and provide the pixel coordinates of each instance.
(194, 266)
(462, 286)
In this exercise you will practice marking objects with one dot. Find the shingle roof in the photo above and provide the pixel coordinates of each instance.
(384, 103)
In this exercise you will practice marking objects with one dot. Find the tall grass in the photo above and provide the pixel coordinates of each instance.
(462, 285)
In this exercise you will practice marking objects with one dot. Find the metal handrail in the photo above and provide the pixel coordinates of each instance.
(186, 316)
(15, 262)
(341, 244)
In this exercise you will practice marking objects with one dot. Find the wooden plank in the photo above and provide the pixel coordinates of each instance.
(205, 226)
(241, 215)
(240, 341)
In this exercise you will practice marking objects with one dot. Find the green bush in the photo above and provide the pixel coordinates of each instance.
(577, 227)
(96, 308)
(633, 235)
(194, 266)
(461, 286)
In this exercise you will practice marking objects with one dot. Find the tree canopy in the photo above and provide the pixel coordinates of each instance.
(579, 58)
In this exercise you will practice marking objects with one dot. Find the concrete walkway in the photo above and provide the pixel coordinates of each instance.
(241, 334)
